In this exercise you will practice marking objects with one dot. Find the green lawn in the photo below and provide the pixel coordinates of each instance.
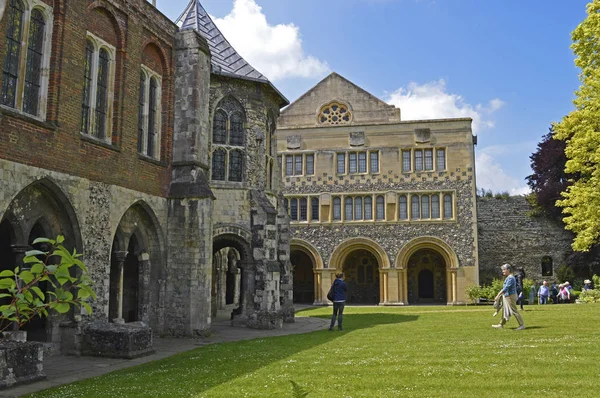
(385, 352)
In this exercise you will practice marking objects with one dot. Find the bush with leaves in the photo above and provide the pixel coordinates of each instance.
(473, 292)
(20, 287)
(565, 274)
(590, 296)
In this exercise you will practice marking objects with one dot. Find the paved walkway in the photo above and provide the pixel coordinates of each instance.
(62, 369)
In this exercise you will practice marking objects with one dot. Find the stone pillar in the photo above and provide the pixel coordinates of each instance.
(120, 260)
(190, 199)
(144, 266)
(404, 273)
(19, 252)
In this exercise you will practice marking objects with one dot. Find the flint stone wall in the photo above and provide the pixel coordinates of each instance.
(112, 340)
(508, 234)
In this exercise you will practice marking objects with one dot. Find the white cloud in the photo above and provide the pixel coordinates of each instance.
(491, 176)
(274, 50)
(432, 101)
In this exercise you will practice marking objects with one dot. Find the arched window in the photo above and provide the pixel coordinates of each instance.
(358, 210)
(547, 266)
(348, 209)
(96, 109)
(334, 113)
(10, 73)
(380, 208)
(403, 211)
(228, 128)
(152, 117)
(102, 94)
(87, 88)
(23, 79)
(415, 213)
(448, 206)
(314, 209)
(368, 208)
(33, 72)
(218, 164)
(337, 208)
(236, 165)
(220, 127)
(435, 206)
(425, 206)
(141, 112)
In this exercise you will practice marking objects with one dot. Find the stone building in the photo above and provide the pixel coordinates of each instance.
(508, 233)
(390, 203)
(150, 146)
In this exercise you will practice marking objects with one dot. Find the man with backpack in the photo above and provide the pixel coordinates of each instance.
(339, 300)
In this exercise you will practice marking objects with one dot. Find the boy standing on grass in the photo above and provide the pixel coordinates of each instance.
(339, 300)
(509, 294)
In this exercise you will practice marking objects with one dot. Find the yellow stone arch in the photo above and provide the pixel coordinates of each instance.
(346, 247)
(298, 244)
(427, 242)
(439, 246)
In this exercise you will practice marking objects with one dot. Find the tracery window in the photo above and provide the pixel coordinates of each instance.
(229, 142)
(149, 119)
(334, 113)
(96, 106)
(27, 55)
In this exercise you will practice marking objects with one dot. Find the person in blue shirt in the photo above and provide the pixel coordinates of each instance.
(543, 293)
(509, 294)
(339, 300)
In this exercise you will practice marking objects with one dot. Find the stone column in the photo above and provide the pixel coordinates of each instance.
(120, 260)
(144, 266)
(190, 199)
(19, 252)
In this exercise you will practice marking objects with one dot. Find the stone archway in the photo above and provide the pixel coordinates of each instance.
(426, 278)
(226, 283)
(41, 209)
(231, 239)
(361, 260)
(137, 271)
(304, 281)
(436, 256)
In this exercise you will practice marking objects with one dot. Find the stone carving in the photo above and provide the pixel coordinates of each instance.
(357, 138)
(293, 142)
(422, 135)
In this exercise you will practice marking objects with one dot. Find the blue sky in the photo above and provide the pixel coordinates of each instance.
(506, 63)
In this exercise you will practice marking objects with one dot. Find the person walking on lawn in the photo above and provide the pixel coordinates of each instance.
(339, 300)
(509, 292)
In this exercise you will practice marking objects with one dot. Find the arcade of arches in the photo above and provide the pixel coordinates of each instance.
(423, 275)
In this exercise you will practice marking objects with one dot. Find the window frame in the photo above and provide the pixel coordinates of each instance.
(99, 45)
(149, 75)
(47, 12)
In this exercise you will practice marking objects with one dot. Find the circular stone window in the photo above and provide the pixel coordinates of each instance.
(334, 113)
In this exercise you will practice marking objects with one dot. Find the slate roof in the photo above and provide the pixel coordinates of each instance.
(224, 59)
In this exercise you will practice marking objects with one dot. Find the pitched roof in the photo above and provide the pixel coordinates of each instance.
(224, 58)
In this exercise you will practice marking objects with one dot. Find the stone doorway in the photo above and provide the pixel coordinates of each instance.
(361, 270)
(226, 283)
(426, 278)
(304, 280)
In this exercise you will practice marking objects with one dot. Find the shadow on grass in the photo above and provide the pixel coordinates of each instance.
(199, 370)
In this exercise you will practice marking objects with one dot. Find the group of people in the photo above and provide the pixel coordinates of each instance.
(506, 301)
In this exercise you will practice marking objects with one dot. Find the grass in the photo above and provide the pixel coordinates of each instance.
(384, 352)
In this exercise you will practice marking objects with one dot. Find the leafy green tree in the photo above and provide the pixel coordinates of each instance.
(580, 129)
(25, 300)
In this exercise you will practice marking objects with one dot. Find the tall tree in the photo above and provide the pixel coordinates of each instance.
(580, 129)
(549, 178)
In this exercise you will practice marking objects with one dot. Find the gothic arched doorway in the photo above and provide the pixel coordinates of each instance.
(426, 278)
(361, 271)
(304, 280)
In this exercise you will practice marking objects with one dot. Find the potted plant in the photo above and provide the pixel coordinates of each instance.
(23, 300)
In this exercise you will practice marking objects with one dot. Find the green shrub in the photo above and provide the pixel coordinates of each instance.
(473, 292)
(565, 274)
(596, 280)
(590, 296)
